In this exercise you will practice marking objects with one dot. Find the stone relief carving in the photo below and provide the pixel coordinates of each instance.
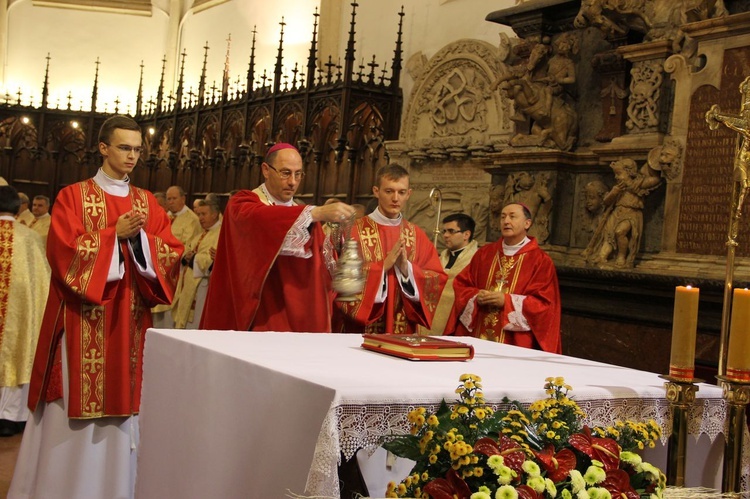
(620, 229)
(656, 19)
(457, 104)
(593, 205)
(645, 83)
(536, 86)
(453, 111)
(667, 158)
(532, 191)
(497, 194)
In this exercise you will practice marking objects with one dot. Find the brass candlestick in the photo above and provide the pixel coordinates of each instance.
(680, 395)
(737, 394)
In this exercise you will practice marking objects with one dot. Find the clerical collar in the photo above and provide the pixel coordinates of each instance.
(112, 186)
(510, 250)
(273, 200)
(217, 224)
(452, 257)
(183, 210)
(9, 218)
(381, 219)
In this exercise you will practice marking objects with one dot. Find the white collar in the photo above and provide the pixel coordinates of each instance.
(216, 225)
(112, 186)
(9, 218)
(183, 210)
(381, 219)
(510, 250)
(273, 200)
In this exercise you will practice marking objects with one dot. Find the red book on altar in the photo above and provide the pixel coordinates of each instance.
(416, 347)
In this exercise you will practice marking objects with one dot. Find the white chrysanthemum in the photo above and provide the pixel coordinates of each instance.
(577, 481)
(631, 458)
(531, 468)
(506, 492)
(550, 486)
(594, 475)
(505, 475)
(536, 483)
(599, 493)
(495, 462)
(582, 494)
(650, 470)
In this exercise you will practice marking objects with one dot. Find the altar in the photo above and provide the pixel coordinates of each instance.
(242, 414)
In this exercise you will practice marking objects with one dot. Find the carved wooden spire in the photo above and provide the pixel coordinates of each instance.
(180, 82)
(251, 68)
(225, 76)
(45, 86)
(139, 97)
(95, 91)
(397, 54)
(202, 82)
(279, 60)
(350, 51)
(313, 57)
(160, 92)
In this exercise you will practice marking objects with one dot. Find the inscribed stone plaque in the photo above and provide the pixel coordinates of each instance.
(709, 159)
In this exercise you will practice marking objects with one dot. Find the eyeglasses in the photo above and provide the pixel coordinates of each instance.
(128, 149)
(452, 231)
(285, 174)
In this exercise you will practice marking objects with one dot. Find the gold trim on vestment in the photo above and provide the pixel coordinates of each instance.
(6, 260)
(497, 280)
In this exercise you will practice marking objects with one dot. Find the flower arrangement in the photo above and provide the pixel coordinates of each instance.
(468, 451)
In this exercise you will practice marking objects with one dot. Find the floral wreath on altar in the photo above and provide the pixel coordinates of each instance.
(467, 450)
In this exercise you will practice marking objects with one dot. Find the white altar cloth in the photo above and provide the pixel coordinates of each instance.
(241, 414)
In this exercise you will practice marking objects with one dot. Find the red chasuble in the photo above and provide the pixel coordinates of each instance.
(397, 314)
(104, 322)
(531, 295)
(252, 286)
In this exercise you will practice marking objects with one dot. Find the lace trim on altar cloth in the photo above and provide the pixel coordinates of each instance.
(349, 428)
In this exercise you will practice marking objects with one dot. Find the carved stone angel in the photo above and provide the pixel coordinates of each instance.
(621, 226)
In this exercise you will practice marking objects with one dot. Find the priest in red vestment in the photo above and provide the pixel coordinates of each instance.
(273, 263)
(403, 275)
(509, 291)
(113, 257)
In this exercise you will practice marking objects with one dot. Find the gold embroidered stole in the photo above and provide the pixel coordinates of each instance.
(6, 260)
(502, 277)
(373, 251)
(93, 317)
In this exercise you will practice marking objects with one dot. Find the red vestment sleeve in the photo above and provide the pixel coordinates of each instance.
(251, 237)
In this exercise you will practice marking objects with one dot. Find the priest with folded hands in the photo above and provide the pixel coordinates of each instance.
(403, 274)
(509, 291)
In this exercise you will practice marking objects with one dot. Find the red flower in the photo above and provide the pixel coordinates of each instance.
(513, 454)
(558, 465)
(618, 484)
(605, 450)
(526, 492)
(450, 487)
